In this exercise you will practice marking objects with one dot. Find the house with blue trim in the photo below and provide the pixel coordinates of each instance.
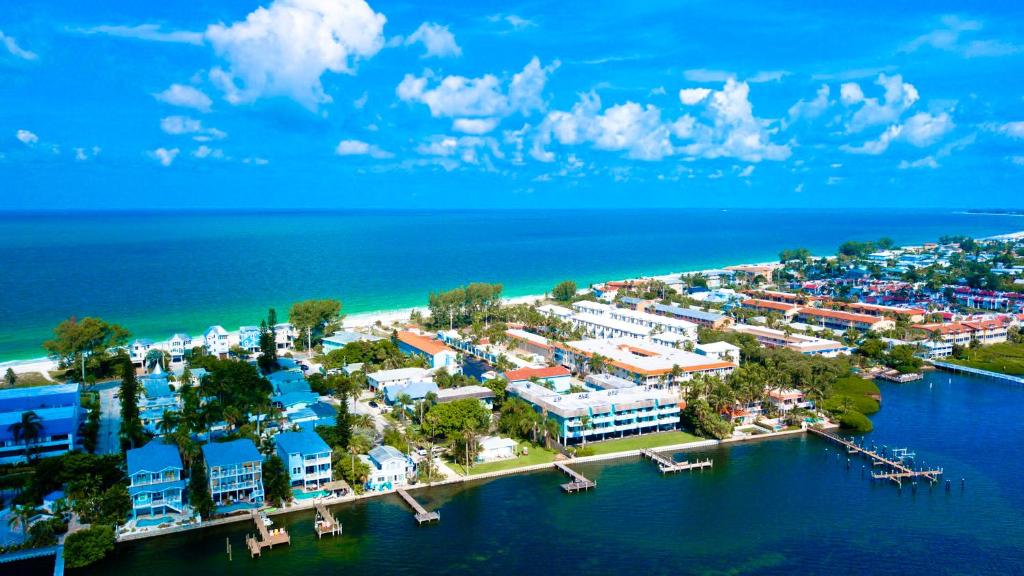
(389, 468)
(155, 483)
(59, 411)
(216, 341)
(249, 338)
(158, 396)
(235, 472)
(306, 457)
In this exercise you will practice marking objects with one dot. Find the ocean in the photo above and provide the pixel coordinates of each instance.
(777, 506)
(157, 273)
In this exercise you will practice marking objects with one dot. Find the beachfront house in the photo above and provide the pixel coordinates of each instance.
(59, 413)
(155, 484)
(138, 349)
(437, 353)
(179, 346)
(558, 378)
(493, 448)
(306, 457)
(285, 335)
(342, 338)
(235, 473)
(249, 338)
(788, 398)
(389, 468)
(216, 341)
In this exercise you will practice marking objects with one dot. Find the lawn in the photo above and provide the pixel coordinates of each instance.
(1005, 358)
(536, 455)
(30, 379)
(861, 393)
(646, 441)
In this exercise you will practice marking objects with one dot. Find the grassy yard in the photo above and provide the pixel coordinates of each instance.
(537, 455)
(29, 379)
(1005, 358)
(859, 391)
(646, 441)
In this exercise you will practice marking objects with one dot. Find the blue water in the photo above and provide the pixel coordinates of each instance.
(157, 273)
(767, 507)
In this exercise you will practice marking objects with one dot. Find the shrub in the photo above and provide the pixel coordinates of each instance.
(855, 421)
(87, 546)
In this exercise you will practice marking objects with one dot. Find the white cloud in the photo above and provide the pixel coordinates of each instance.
(474, 125)
(768, 76)
(851, 93)
(17, 51)
(360, 102)
(811, 108)
(949, 37)
(1018, 160)
(437, 39)
(875, 147)
(83, 154)
(164, 156)
(185, 97)
(26, 137)
(746, 172)
(360, 148)
(284, 49)
(924, 129)
(705, 75)
(483, 96)
(926, 162)
(182, 125)
(1011, 129)
(476, 150)
(898, 97)
(691, 96)
(516, 22)
(204, 151)
(150, 32)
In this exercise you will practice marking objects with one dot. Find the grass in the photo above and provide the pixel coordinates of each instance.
(1005, 358)
(859, 391)
(536, 455)
(29, 379)
(646, 441)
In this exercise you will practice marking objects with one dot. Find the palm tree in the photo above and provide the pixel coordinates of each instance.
(27, 430)
(168, 423)
(598, 364)
(585, 421)
(403, 401)
(21, 515)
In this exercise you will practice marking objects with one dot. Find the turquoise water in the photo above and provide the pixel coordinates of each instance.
(157, 273)
(154, 521)
(767, 507)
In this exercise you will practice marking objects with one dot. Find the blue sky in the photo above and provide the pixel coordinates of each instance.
(341, 103)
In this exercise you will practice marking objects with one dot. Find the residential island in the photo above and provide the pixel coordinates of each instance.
(113, 438)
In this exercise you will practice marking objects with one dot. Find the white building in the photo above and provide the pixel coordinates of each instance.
(552, 310)
(496, 448)
(398, 376)
(642, 362)
(719, 350)
(216, 341)
(178, 346)
(605, 321)
(809, 345)
(389, 468)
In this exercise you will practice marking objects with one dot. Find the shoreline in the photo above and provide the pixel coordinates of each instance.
(310, 504)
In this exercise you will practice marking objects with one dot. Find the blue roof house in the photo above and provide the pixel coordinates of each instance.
(389, 468)
(58, 410)
(235, 472)
(249, 338)
(307, 458)
(415, 390)
(155, 484)
(157, 398)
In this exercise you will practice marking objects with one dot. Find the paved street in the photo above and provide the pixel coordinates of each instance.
(107, 441)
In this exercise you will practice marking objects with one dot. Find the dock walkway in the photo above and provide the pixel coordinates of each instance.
(897, 471)
(422, 515)
(267, 538)
(324, 522)
(579, 481)
(668, 466)
(976, 371)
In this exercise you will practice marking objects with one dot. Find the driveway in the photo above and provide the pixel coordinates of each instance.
(108, 441)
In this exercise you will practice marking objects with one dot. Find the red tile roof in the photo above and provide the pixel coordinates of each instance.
(424, 343)
(540, 373)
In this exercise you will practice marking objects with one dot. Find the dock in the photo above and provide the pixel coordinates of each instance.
(325, 522)
(266, 538)
(579, 481)
(421, 513)
(893, 467)
(976, 371)
(668, 466)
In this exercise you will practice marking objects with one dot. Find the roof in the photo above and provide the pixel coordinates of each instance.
(157, 387)
(496, 443)
(291, 386)
(608, 381)
(689, 313)
(153, 457)
(398, 374)
(423, 343)
(462, 392)
(37, 391)
(230, 453)
(303, 442)
(840, 315)
(718, 347)
(294, 398)
(415, 390)
(385, 452)
(285, 376)
(343, 337)
(769, 304)
(541, 373)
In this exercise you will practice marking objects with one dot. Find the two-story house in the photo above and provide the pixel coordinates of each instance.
(216, 341)
(389, 468)
(306, 457)
(155, 484)
(235, 472)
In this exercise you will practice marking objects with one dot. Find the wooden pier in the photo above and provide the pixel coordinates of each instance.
(668, 466)
(267, 538)
(324, 522)
(895, 470)
(421, 513)
(579, 481)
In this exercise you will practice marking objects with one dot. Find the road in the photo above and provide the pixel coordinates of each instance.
(108, 441)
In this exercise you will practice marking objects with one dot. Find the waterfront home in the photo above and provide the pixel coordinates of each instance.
(556, 377)
(380, 379)
(155, 484)
(603, 414)
(436, 352)
(216, 341)
(643, 362)
(963, 333)
(157, 397)
(389, 468)
(235, 473)
(840, 320)
(809, 345)
(530, 343)
(482, 393)
(59, 413)
(285, 335)
(306, 457)
(138, 349)
(249, 338)
(493, 448)
(555, 311)
(788, 398)
(342, 338)
(723, 351)
(179, 346)
(742, 413)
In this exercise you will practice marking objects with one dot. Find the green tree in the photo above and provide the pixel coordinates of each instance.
(350, 468)
(132, 432)
(20, 516)
(74, 340)
(275, 481)
(343, 423)
(10, 378)
(314, 316)
(27, 430)
(87, 546)
(449, 419)
(267, 359)
(199, 489)
(564, 291)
